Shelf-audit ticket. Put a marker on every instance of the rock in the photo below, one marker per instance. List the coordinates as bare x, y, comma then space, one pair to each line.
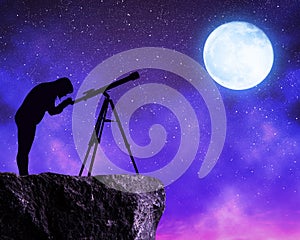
54, 206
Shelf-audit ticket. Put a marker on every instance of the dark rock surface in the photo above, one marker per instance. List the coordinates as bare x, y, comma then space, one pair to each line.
54, 206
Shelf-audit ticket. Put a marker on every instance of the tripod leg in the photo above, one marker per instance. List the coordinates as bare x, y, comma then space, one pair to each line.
85, 159
92, 160
124, 136
91, 143
98, 132
95, 138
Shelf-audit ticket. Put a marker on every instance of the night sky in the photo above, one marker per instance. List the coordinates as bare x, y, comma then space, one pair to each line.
253, 192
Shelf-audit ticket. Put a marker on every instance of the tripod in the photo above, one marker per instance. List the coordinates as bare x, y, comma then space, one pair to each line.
97, 134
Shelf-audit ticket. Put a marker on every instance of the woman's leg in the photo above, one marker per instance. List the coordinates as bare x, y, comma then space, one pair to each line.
25, 139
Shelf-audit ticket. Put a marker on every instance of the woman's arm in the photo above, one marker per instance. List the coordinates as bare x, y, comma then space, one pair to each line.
53, 110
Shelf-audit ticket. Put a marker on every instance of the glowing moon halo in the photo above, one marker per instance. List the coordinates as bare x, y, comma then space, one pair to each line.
238, 55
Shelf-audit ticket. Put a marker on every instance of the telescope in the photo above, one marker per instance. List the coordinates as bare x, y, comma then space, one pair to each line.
93, 92
101, 120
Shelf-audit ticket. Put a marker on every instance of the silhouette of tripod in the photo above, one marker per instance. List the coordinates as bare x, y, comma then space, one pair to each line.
97, 134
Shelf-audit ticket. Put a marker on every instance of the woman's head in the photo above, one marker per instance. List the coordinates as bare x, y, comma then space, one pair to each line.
64, 86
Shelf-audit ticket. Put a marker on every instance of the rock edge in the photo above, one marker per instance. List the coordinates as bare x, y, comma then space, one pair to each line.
55, 206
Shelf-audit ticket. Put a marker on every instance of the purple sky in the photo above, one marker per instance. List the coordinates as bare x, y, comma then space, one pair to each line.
253, 192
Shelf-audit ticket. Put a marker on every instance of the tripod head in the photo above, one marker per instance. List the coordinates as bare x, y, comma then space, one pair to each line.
93, 92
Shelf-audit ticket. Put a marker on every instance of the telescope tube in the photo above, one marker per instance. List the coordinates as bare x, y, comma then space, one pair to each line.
93, 92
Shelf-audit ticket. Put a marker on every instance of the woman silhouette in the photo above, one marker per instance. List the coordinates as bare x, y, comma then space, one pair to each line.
39, 100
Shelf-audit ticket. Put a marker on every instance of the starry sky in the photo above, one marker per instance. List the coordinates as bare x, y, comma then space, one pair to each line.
253, 192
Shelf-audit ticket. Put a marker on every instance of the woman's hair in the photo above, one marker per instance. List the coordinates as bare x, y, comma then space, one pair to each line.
64, 84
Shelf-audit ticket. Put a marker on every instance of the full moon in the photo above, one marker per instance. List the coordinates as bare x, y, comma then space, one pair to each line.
238, 55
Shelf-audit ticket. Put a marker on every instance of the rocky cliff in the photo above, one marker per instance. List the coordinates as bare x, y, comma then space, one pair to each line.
54, 206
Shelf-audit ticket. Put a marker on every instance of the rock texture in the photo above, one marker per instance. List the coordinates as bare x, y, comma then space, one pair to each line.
53, 206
